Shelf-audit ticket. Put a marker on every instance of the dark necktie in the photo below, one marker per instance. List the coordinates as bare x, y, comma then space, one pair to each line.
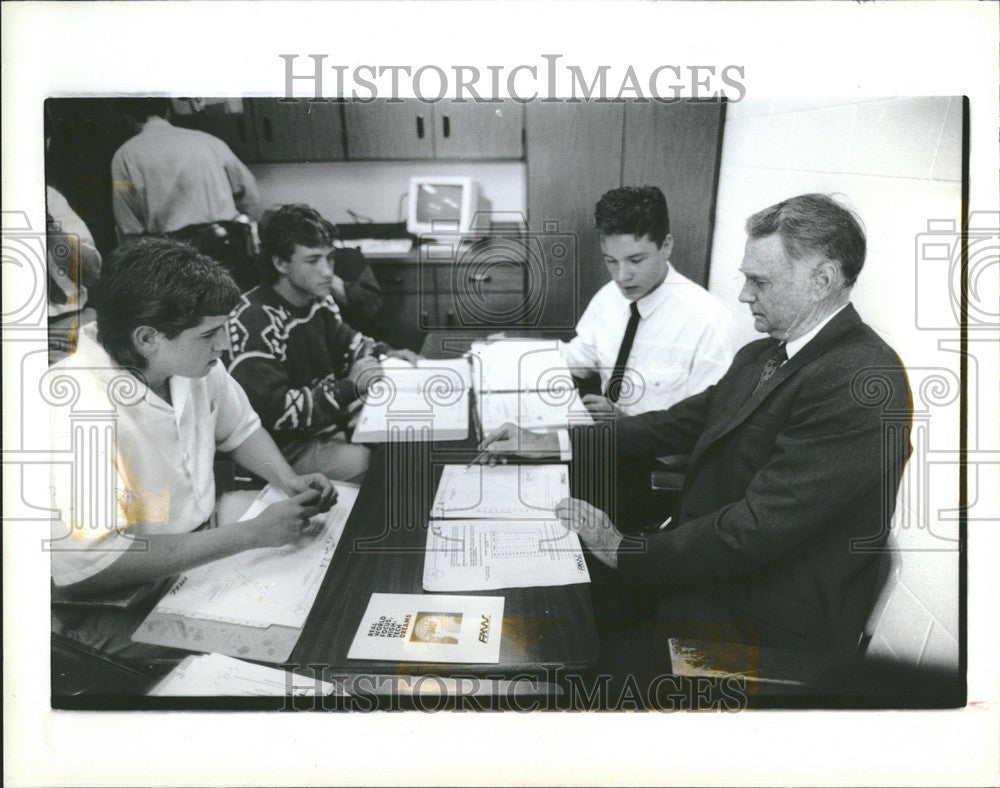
778, 357
614, 390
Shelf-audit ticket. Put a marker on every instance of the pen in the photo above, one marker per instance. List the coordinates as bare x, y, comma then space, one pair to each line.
475, 460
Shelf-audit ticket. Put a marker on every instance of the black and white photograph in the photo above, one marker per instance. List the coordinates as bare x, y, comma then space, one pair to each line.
539, 395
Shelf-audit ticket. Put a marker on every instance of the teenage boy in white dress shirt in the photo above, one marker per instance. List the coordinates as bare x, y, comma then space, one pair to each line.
151, 360
685, 338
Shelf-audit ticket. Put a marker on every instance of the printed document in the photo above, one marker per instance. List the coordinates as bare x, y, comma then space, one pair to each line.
501, 492
430, 628
481, 555
426, 401
210, 675
519, 365
532, 410
266, 586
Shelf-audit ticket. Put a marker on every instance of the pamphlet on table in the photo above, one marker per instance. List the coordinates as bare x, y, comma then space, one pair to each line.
430, 628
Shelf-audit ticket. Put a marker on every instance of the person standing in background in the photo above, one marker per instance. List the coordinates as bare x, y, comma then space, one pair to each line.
166, 178
185, 184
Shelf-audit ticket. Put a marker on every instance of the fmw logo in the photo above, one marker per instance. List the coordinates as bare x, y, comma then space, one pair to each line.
484, 630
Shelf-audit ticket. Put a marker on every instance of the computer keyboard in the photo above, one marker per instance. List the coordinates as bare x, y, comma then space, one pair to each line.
381, 246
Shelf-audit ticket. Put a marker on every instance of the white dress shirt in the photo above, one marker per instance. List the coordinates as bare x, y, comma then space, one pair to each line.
159, 468
793, 346
684, 343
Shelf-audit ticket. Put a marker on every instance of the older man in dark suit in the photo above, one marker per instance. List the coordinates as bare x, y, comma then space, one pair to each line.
793, 461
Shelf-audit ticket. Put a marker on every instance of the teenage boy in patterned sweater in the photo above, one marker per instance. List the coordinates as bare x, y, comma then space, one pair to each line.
299, 363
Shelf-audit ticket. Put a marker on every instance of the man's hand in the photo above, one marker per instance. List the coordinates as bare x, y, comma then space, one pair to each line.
404, 354
513, 441
364, 372
284, 522
338, 290
599, 407
312, 481
595, 528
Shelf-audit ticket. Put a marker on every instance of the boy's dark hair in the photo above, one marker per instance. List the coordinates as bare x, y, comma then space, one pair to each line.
634, 210
815, 224
157, 282
283, 227
140, 109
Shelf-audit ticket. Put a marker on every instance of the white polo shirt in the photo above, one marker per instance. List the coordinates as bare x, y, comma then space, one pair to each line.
139, 465
685, 342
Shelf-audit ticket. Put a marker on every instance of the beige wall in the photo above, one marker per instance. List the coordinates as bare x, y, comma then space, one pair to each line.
897, 163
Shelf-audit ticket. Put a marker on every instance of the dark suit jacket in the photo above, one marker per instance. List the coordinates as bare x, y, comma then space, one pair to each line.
780, 483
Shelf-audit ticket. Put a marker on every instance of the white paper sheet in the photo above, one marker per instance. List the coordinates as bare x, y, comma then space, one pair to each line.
430, 628
519, 365
532, 410
505, 492
266, 586
485, 555
427, 401
209, 675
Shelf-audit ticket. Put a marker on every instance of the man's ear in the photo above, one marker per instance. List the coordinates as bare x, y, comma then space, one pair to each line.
146, 340
281, 266
667, 246
826, 277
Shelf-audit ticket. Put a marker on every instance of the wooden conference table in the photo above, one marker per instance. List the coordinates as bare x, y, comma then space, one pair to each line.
382, 550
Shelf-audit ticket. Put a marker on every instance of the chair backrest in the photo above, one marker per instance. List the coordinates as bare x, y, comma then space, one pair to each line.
890, 564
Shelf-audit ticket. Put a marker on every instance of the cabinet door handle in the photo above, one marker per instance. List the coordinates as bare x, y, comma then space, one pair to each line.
449, 319
268, 136
396, 280
241, 129
480, 278
446, 126
420, 127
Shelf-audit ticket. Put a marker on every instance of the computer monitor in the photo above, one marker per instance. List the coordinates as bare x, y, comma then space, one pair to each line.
443, 205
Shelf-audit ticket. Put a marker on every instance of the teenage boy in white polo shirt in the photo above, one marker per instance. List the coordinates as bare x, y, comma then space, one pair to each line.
654, 336
151, 359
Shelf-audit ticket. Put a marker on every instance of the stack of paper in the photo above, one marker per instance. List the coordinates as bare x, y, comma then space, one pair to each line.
428, 401
496, 528
525, 382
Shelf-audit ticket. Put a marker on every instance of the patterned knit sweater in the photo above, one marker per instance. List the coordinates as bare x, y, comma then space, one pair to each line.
293, 362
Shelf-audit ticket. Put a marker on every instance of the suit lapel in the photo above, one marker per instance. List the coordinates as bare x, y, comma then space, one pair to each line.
741, 392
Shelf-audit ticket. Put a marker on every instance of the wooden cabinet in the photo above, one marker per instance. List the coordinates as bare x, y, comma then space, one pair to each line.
413, 130
233, 128
479, 131
574, 156
390, 130
678, 148
482, 286
298, 130
576, 152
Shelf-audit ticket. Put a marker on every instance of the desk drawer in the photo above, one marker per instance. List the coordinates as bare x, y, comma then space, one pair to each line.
404, 277
482, 310
503, 276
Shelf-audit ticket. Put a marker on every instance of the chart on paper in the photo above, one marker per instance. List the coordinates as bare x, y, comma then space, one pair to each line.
528, 492
479, 555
